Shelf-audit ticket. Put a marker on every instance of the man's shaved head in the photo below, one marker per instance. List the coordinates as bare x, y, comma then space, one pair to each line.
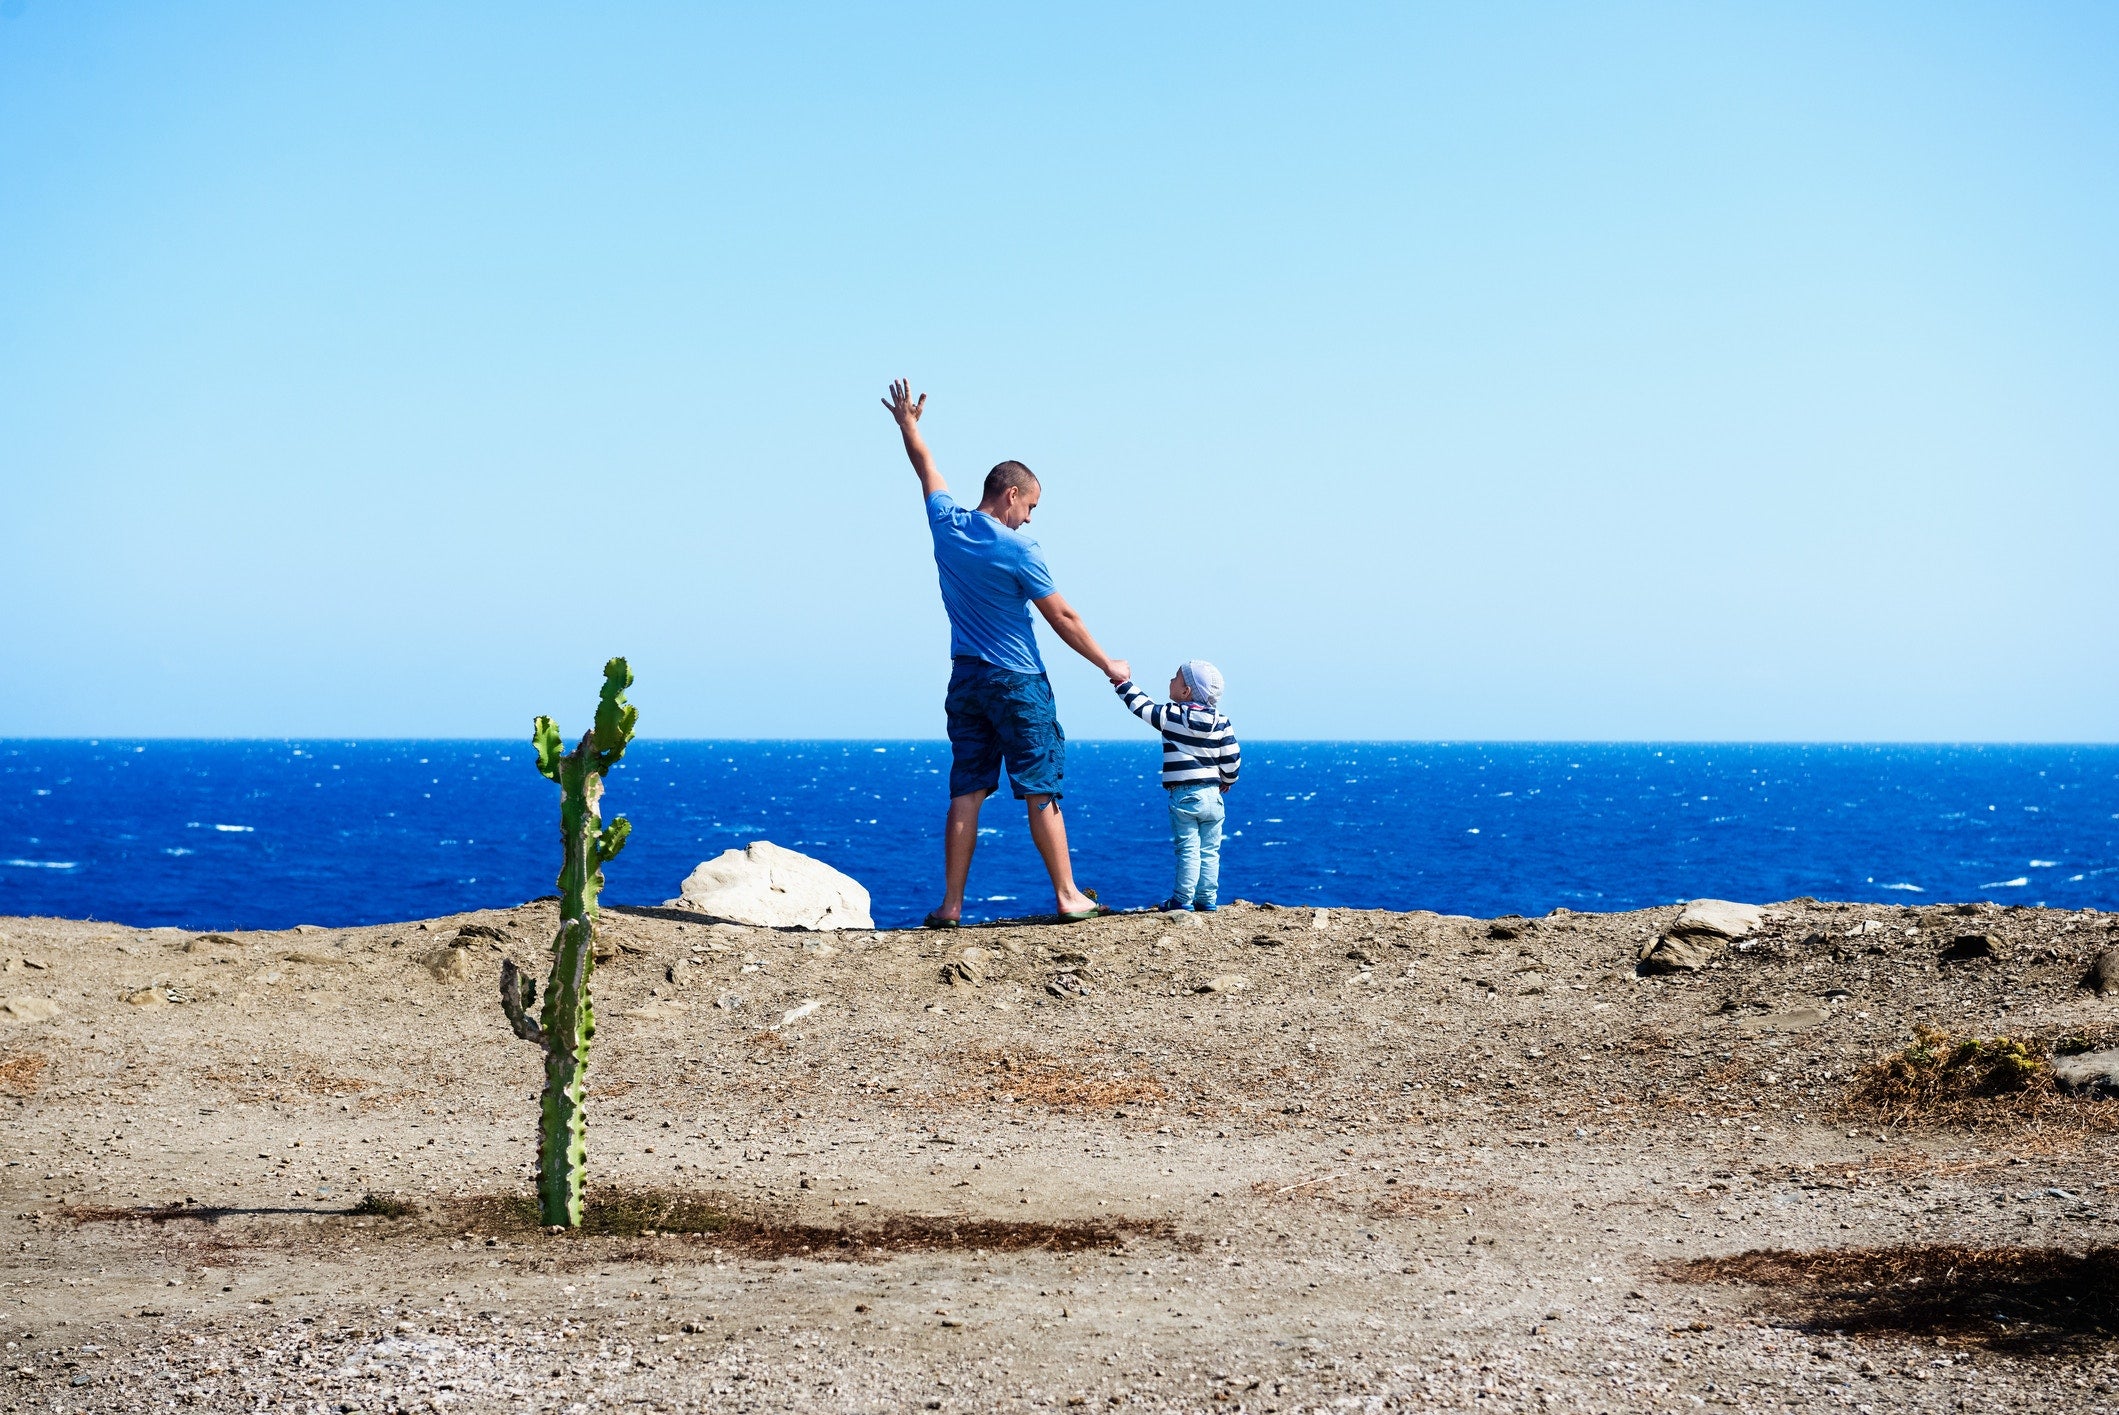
1006, 475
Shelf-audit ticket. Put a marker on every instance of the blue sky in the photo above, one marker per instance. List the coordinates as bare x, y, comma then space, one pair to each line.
1499, 371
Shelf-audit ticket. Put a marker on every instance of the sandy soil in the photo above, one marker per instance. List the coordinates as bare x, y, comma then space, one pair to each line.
1388, 1161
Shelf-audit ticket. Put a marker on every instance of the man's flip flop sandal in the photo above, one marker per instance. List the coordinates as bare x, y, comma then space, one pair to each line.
936, 921
1081, 916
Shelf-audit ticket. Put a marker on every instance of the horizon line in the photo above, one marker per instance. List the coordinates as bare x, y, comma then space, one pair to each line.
1872, 742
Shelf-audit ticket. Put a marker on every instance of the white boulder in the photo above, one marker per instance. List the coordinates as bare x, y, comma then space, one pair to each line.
1719, 918
767, 886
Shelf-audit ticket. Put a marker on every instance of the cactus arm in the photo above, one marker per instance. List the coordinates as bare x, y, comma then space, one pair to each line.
612, 840
517, 996
614, 716
544, 736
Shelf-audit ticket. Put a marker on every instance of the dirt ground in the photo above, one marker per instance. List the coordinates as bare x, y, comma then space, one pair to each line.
1267, 1160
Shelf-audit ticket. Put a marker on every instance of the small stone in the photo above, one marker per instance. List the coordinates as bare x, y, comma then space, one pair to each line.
2088, 1072
1797, 1020
1067, 984
1718, 917
1322, 919
1502, 929
1362, 956
448, 965
147, 997
29, 1009
470, 933
2103, 976
1966, 948
1676, 953
207, 943
1268, 940
684, 974
1226, 982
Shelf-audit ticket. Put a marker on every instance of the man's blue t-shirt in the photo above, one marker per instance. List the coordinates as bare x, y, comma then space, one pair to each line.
989, 576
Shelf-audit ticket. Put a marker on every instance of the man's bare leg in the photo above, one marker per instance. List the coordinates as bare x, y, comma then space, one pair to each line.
1048, 829
960, 834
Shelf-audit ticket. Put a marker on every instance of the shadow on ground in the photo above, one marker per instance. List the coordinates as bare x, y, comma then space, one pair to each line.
2020, 1299
682, 1219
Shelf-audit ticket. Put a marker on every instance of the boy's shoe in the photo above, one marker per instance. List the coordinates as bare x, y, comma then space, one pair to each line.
1172, 906
1204, 908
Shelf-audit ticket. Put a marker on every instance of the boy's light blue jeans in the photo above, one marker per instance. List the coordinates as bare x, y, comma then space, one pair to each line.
1196, 813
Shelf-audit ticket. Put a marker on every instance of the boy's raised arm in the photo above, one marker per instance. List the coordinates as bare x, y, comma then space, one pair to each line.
1138, 703
907, 413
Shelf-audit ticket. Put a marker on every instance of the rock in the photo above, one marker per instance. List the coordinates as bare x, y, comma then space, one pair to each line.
1966, 948
1718, 918
1676, 953
685, 974
147, 997
1362, 956
729, 1002
310, 929
208, 943
797, 1013
1227, 982
656, 1009
1322, 919
29, 1009
471, 932
1797, 1020
1268, 940
2086, 1072
970, 968
448, 965
2103, 976
1067, 985
770, 887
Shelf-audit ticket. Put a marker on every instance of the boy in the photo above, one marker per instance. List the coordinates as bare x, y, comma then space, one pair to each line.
1200, 762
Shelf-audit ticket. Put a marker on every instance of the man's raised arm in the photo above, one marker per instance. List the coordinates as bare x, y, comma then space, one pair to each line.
907, 413
1075, 634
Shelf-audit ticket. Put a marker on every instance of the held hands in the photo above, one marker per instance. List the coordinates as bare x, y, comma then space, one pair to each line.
1118, 670
901, 405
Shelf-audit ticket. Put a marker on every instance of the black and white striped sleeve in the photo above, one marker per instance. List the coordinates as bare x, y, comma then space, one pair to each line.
1141, 705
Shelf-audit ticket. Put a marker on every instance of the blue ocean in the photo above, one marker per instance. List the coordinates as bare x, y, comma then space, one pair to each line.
267, 834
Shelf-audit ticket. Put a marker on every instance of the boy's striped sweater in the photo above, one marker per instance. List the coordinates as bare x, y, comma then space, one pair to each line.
1199, 744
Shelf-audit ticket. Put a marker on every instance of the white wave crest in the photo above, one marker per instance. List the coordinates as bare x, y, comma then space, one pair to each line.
2016, 883
40, 864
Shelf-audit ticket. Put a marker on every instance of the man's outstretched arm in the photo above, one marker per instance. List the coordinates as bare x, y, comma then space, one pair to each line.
907, 413
1075, 635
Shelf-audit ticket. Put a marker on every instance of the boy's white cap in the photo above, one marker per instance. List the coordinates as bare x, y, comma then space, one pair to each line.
1204, 679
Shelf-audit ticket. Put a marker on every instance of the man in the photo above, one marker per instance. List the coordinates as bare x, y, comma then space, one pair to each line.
1000, 701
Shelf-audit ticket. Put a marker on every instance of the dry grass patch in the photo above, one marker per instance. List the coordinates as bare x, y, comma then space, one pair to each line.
2028, 1299
1944, 1079
1036, 1079
20, 1072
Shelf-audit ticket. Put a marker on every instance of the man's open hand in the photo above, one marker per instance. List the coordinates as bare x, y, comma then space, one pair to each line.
901, 404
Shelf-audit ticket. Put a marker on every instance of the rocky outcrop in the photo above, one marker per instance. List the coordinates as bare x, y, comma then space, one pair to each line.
1698, 935
770, 887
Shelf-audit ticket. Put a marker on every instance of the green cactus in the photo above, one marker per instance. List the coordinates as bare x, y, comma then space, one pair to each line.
567, 1024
